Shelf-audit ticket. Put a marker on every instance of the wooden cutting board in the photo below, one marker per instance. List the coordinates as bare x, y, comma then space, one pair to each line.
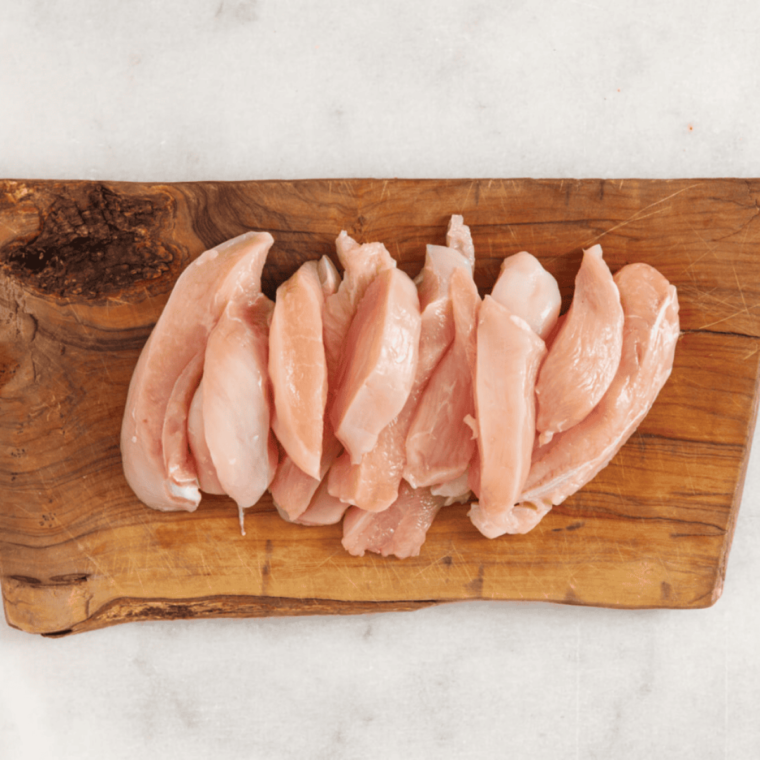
86, 267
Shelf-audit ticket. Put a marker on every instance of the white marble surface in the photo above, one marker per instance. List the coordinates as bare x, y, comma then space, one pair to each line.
222, 89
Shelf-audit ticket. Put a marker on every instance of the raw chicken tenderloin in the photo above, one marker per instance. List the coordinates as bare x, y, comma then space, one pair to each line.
400, 530
229, 272
650, 333
237, 401
298, 369
459, 238
454, 491
439, 445
178, 460
329, 278
509, 354
196, 434
379, 362
323, 509
361, 265
585, 353
529, 292
292, 489
373, 483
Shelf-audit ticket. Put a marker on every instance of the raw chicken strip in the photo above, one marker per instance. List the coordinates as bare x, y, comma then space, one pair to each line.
178, 461
439, 445
292, 489
298, 369
459, 238
236, 401
229, 272
585, 353
379, 362
373, 483
361, 265
529, 292
328, 275
400, 530
455, 491
509, 354
323, 509
196, 434
434, 287
526, 289
650, 334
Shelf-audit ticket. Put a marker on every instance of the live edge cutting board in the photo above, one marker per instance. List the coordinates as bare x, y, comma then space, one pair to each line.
86, 267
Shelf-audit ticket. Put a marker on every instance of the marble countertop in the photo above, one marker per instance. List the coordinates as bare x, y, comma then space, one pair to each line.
232, 90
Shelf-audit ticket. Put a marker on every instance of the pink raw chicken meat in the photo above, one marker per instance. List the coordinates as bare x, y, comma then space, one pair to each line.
439, 445
529, 292
400, 530
459, 238
292, 489
231, 272
373, 483
378, 364
585, 353
178, 461
361, 263
298, 369
509, 354
237, 401
457, 490
323, 509
650, 333
196, 433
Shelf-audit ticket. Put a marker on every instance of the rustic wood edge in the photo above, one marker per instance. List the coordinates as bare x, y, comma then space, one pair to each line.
135, 610
738, 494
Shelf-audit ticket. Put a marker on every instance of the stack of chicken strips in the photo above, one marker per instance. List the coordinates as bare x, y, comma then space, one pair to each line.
377, 400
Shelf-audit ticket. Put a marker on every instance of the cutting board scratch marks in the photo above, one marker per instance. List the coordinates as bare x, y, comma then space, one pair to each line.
741, 292
690, 475
393, 569
432, 563
135, 567
344, 573
730, 316
205, 569
637, 217
696, 261
327, 559
249, 565
462, 560
467, 196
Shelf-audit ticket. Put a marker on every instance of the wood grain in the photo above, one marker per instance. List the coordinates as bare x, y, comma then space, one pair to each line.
85, 269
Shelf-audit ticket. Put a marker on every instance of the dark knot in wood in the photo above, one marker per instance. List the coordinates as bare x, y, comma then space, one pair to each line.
93, 242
